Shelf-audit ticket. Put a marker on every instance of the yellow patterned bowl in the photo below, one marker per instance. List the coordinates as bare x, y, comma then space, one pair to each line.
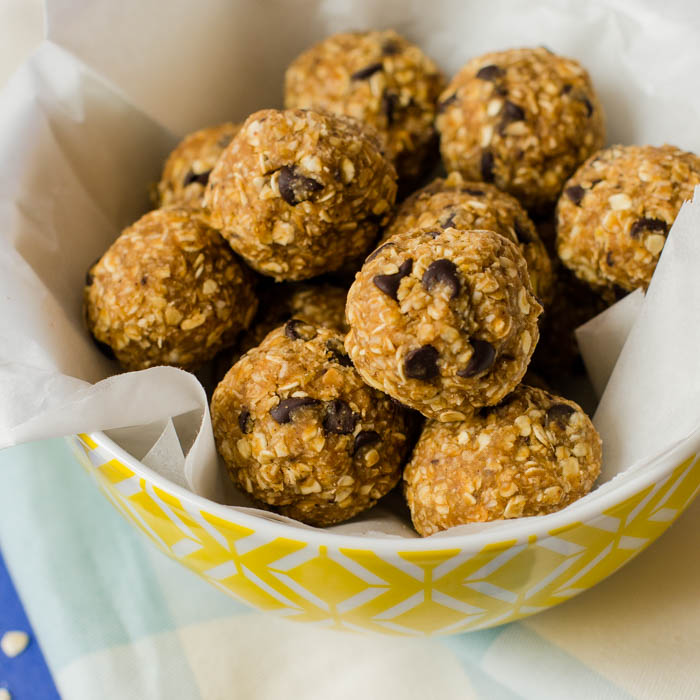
443, 585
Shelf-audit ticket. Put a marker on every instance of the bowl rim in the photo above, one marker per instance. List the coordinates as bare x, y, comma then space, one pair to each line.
512, 532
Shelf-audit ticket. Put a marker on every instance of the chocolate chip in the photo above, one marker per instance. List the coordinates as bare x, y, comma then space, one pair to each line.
105, 349
363, 438
609, 259
490, 72
376, 252
337, 352
294, 187
589, 106
483, 357
339, 418
368, 71
389, 103
244, 422
389, 284
487, 166
473, 192
442, 271
595, 182
575, 193
450, 220
282, 412
579, 96
647, 224
144, 280
560, 413
390, 47
442, 106
296, 329
201, 178
421, 363
522, 232
510, 112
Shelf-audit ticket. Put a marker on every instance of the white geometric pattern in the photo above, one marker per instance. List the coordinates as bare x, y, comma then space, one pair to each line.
428, 591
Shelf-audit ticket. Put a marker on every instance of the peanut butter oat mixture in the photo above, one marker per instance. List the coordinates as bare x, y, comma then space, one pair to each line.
320, 305
186, 171
476, 205
300, 431
443, 320
169, 291
524, 119
379, 78
615, 212
532, 454
298, 193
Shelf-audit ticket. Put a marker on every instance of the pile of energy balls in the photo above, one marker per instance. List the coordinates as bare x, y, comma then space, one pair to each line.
331, 396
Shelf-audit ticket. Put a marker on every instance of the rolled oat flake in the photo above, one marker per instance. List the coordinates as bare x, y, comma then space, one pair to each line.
14, 642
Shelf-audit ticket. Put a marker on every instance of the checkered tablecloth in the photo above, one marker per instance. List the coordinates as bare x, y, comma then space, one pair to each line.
117, 619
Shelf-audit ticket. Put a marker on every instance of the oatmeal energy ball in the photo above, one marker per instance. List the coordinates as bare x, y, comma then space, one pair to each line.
532, 454
615, 212
169, 291
476, 205
298, 193
186, 171
524, 119
300, 430
382, 80
443, 320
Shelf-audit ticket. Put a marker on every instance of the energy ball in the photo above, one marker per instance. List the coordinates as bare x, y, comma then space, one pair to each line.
532, 454
379, 78
186, 171
298, 193
476, 205
443, 320
320, 305
524, 119
615, 212
169, 291
300, 431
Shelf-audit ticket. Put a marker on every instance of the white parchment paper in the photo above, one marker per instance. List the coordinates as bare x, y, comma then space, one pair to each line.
87, 121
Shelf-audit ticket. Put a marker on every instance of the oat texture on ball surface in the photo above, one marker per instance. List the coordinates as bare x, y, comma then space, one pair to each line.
443, 320
301, 432
532, 454
298, 193
457, 203
168, 291
616, 211
379, 78
523, 119
187, 168
317, 304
